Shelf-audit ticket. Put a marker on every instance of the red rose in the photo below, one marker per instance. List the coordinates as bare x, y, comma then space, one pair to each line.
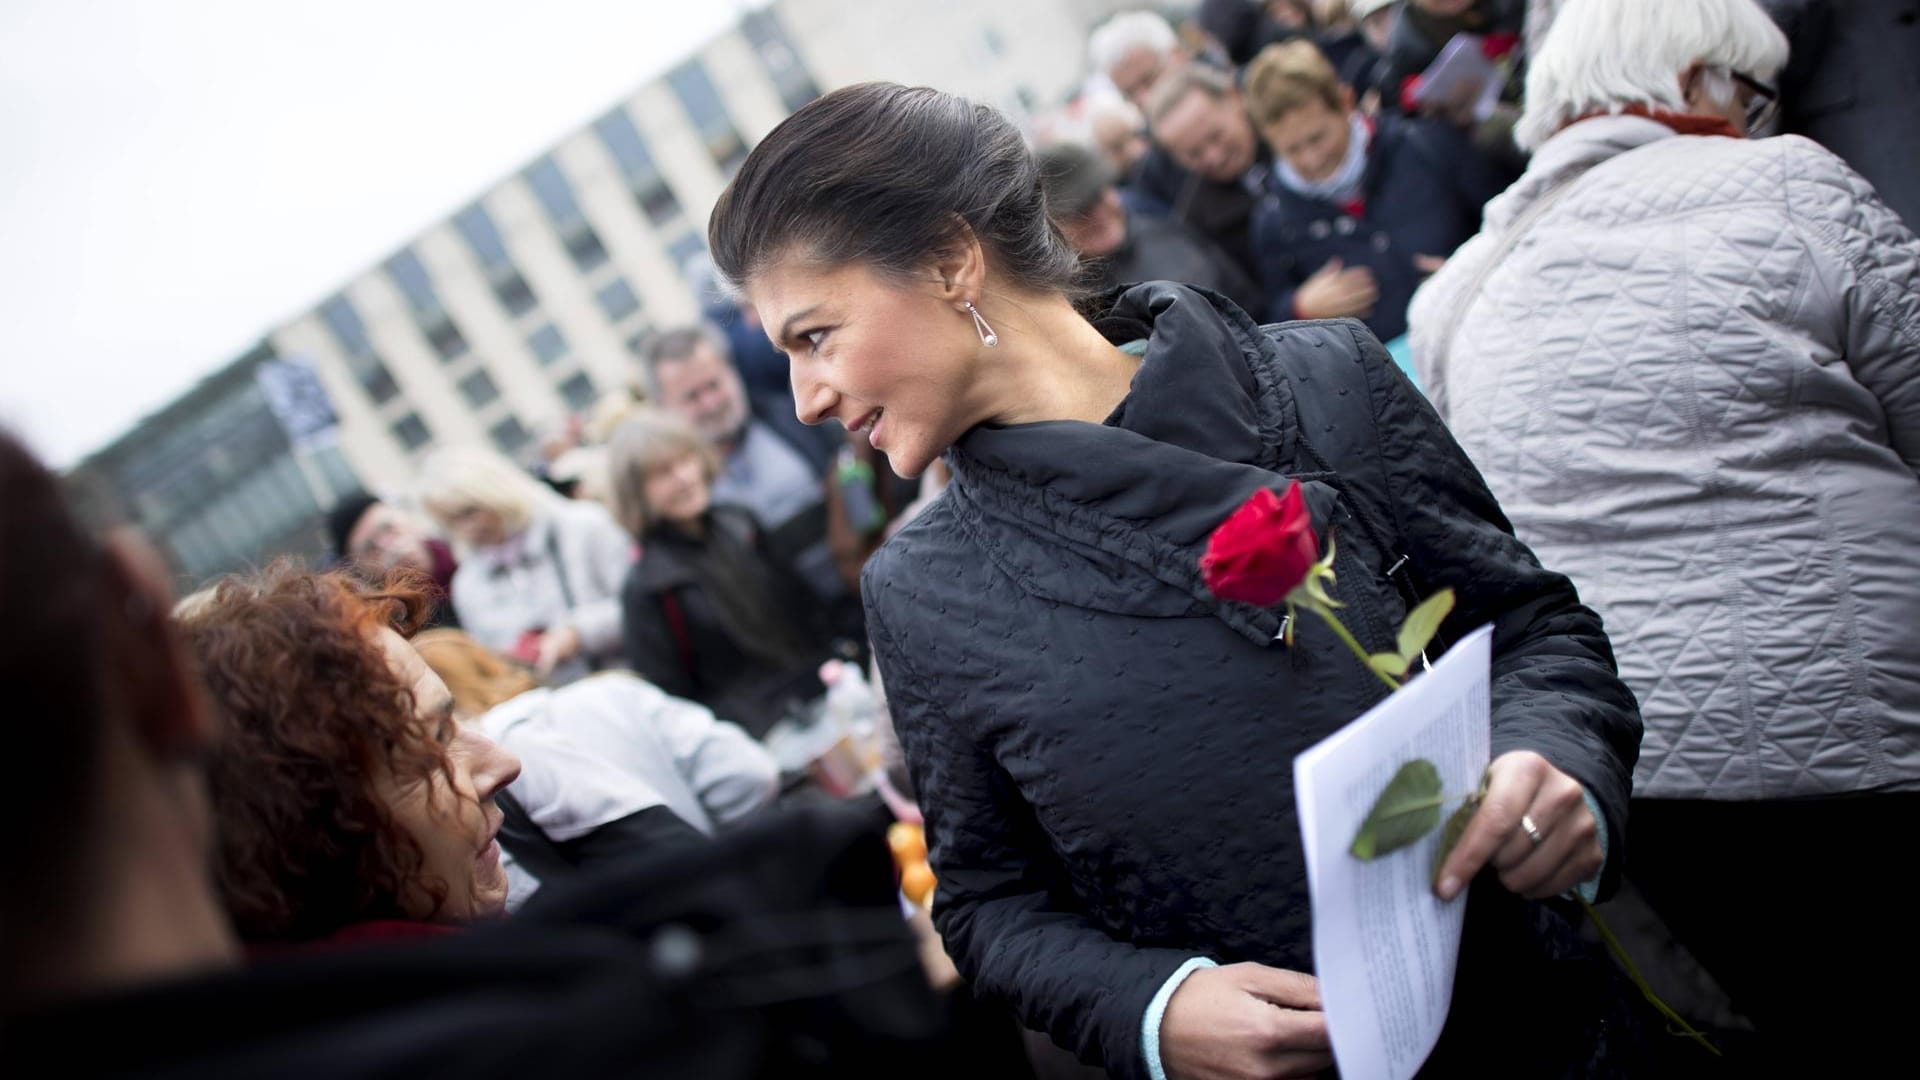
1263, 551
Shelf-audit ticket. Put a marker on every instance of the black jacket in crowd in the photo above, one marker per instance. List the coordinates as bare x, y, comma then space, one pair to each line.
681, 638
1852, 85
1418, 38
1422, 193
1104, 751
1217, 211
776, 950
1158, 249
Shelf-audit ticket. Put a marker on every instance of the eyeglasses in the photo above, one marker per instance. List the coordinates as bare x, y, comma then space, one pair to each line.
1764, 105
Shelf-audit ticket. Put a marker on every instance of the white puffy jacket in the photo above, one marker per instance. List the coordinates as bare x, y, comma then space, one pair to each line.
1694, 385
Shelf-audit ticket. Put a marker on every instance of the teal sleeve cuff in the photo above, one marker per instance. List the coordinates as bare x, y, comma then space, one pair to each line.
1157, 1008
1590, 888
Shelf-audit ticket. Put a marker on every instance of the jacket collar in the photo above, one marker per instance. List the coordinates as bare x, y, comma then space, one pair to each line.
529, 547
1571, 151
1114, 516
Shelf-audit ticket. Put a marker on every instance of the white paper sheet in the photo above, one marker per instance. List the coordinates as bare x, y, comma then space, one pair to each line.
1384, 946
1462, 65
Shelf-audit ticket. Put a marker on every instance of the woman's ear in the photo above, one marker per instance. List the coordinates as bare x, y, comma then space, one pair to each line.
1690, 87
961, 271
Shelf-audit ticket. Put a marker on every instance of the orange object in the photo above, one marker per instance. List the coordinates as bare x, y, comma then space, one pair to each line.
917, 882
909, 843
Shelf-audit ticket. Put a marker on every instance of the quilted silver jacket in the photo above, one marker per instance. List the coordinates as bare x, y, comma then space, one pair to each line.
1694, 385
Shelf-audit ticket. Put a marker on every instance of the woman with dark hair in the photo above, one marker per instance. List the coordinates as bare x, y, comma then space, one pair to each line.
1100, 746
347, 800
711, 614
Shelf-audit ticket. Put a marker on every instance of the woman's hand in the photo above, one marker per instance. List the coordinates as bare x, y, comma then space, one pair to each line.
1563, 849
557, 646
1244, 1021
1336, 290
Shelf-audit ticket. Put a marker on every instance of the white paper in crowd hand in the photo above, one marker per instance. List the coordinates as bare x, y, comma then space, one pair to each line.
1462, 68
1384, 947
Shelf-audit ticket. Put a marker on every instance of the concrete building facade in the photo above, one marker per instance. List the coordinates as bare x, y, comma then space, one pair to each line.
526, 304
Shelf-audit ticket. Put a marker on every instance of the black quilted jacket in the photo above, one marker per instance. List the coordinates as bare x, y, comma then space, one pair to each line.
1104, 752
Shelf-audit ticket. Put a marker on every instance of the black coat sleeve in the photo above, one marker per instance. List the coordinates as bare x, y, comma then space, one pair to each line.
652, 650
1556, 690
1002, 907
646, 832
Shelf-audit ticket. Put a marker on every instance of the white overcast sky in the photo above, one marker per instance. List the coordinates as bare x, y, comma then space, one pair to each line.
177, 176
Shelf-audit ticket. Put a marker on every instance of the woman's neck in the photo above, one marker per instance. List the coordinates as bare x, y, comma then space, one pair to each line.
1052, 364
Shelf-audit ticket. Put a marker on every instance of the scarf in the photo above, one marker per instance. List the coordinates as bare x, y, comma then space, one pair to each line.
1343, 184
1681, 123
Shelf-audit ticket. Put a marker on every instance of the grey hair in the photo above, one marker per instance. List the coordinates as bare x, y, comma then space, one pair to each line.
647, 440
675, 344
1602, 56
1112, 40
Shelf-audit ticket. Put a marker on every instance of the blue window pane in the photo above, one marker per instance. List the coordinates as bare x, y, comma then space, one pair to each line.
410, 275
784, 68
547, 343
554, 192
343, 319
578, 391
617, 300
479, 389
509, 436
699, 97
412, 432
709, 115
483, 236
686, 249
514, 293
629, 150
624, 142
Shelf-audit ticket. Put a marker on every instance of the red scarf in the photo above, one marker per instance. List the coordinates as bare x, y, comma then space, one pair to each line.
1681, 123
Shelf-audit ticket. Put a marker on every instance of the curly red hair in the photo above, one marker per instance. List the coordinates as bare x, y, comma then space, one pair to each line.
312, 716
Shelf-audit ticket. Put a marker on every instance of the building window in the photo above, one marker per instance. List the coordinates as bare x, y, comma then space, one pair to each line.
483, 238
410, 275
563, 210
636, 163
509, 436
515, 294
789, 76
992, 45
412, 432
343, 319
617, 299
547, 344
638, 340
350, 331
478, 389
704, 107
446, 339
578, 391
686, 249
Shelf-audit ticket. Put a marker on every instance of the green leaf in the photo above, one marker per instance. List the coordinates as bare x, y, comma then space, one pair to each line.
1422, 623
1406, 811
1451, 832
1389, 664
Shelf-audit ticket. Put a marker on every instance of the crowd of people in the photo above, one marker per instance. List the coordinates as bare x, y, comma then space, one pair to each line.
1554, 304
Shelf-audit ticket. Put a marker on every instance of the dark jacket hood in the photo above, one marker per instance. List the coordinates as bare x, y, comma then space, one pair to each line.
1130, 503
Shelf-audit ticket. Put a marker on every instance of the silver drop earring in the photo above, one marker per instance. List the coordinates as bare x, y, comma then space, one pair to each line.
987, 336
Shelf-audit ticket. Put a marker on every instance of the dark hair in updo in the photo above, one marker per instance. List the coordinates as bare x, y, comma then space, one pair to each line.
886, 175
